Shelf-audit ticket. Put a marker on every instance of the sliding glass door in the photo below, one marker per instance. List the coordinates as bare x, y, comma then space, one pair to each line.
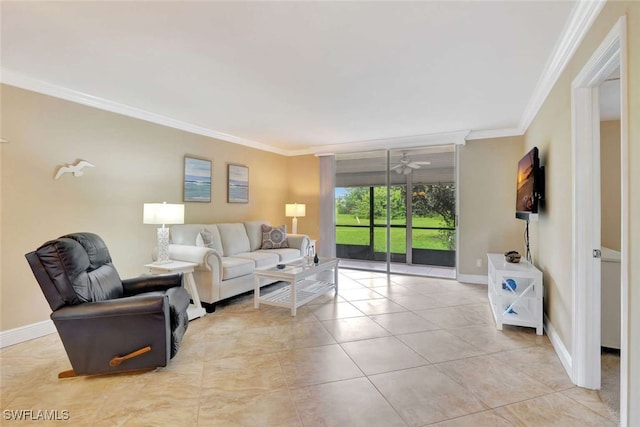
361, 206
396, 211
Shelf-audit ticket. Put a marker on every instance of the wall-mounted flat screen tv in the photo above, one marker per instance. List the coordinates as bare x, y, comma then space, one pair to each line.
530, 189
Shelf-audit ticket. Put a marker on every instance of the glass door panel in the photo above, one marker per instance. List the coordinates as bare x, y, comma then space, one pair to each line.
361, 205
429, 174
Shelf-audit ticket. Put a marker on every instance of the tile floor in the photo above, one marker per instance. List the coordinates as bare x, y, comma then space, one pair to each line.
397, 351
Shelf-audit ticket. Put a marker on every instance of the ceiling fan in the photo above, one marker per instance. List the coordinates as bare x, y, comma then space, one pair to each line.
406, 166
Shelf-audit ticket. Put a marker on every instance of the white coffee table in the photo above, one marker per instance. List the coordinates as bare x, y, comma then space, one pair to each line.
195, 310
303, 285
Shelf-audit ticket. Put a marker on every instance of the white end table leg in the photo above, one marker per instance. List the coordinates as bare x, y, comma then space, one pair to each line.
256, 292
191, 287
293, 298
195, 309
335, 278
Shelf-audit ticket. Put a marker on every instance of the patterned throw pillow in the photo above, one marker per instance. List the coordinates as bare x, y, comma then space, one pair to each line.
274, 237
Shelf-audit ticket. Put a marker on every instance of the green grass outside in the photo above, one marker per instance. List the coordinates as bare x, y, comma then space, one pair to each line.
422, 239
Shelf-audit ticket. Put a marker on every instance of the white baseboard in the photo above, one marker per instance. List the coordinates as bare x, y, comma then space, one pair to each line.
478, 279
26, 333
558, 346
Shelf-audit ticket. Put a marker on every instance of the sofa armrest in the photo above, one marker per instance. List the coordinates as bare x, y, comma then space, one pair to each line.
299, 241
207, 259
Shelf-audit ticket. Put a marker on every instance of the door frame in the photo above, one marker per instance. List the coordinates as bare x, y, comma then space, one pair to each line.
585, 359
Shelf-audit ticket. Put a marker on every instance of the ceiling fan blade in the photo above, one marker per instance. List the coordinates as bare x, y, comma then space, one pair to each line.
423, 163
396, 167
407, 171
414, 165
399, 171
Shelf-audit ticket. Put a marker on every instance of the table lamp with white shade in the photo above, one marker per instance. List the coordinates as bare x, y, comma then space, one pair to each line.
295, 210
163, 213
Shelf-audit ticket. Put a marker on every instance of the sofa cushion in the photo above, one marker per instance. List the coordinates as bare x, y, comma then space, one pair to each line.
235, 267
285, 254
185, 234
274, 237
234, 238
254, 232
262, 259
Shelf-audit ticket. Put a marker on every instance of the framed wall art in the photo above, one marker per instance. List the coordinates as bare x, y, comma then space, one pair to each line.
238, 184
197, 180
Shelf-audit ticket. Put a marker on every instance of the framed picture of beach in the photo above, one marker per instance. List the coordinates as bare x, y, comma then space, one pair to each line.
238, 184
197, 180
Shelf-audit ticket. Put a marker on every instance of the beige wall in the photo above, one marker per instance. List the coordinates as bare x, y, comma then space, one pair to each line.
2, 144
487, 190
135, 162
610, 179
551, 132
304, 187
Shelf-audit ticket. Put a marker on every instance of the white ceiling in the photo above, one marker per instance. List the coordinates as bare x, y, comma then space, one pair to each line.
297, 77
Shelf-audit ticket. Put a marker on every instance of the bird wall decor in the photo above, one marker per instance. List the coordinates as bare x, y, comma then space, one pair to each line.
75, 168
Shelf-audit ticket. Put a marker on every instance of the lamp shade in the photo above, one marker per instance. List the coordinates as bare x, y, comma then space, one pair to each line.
163, 213
295, 209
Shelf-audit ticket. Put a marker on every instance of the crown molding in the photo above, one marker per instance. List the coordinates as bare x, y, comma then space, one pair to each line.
576, 28
13, 78
494, 133
579, 23
458, 138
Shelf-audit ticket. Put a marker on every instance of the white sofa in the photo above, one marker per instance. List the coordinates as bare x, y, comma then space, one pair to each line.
225, 268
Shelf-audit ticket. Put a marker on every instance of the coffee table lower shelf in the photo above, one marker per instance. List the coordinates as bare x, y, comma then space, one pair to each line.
305, 291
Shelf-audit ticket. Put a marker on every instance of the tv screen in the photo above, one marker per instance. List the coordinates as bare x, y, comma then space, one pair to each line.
528, 189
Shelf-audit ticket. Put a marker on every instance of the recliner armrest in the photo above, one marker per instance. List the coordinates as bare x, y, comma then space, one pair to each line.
94, 333
161, 282
135, 305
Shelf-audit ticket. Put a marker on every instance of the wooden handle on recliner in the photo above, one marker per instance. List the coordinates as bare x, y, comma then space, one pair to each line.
119, 359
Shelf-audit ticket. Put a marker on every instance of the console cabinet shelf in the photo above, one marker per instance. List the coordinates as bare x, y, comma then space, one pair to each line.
515, 293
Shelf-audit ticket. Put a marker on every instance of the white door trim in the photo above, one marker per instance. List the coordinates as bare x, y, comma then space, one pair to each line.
586, 213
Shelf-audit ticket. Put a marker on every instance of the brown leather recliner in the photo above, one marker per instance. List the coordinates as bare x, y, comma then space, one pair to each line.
107, 324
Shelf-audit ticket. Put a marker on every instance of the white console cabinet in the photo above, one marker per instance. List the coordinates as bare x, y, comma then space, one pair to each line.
519, 305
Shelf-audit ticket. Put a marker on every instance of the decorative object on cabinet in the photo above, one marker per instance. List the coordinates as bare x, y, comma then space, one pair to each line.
197, 180
295, 210
237, 184
74, 168
512, 256
163, 213
515, 293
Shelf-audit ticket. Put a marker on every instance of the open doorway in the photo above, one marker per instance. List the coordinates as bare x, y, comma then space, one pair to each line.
587, 248
610, 224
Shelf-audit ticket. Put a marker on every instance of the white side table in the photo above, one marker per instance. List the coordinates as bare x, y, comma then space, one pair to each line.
186, 268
